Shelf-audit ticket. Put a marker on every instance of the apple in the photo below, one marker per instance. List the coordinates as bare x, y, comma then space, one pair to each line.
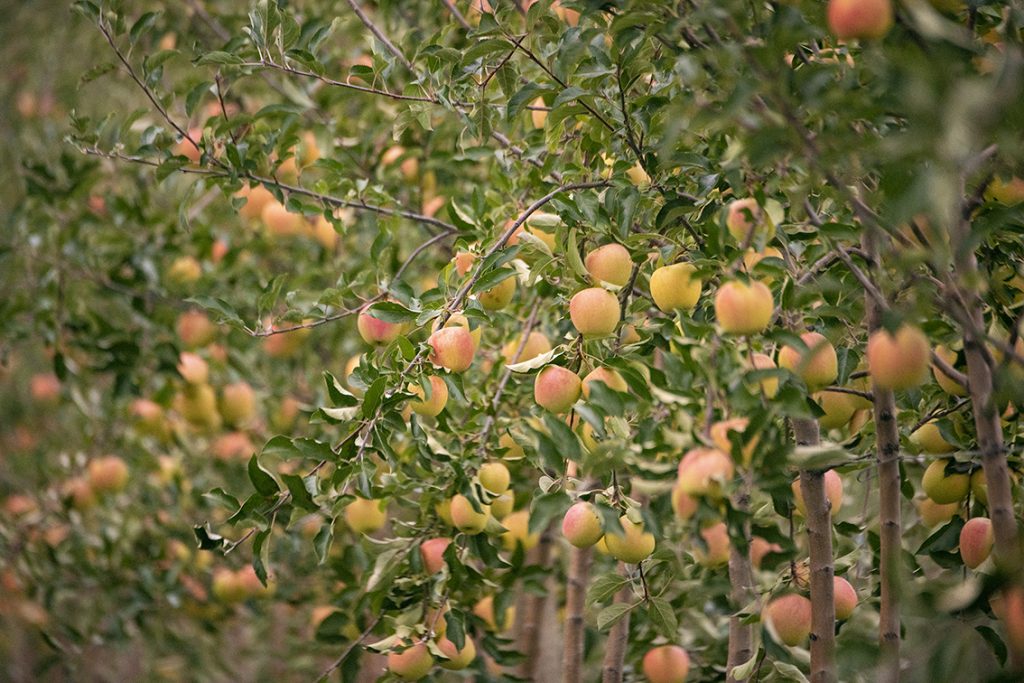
850, 19
226, 586
499, 296
638, 176
78, 491
452, 348
410, 168
557, 388
193, 368
594, 312
581, 525
464, 261
460, 320
747, 221
501, 506
929, 439
444, 511
433, 406
465, 518
237, 403
376, 331
610, 263
833, 491
457, 659
364, 516
195, 329
350, 366
789, 618
251, 584
612, 379
187, 149
633, 544
751, 257
947, 384
666, 664
324, 233
719, 434
285, 344
932, 514
943, 488
484, 609
538, 116
518, 531
675, 287
703, 471
769, 385
198, 404
759, 548
716, 537
743, 308
150, 418
1008, 605
839, 407
107, 474
569, 16
233, 446
1009, 192
391, 155
432, 553
183, 271
683, 505
44, 387
280, 222
411, 664
494, 477
628, 335
256, 198
976, 541
898, 361
513, 451
817, 366
844, 598
536, 344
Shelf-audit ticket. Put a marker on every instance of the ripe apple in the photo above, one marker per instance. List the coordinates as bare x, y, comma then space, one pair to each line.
850, 19
769, 385
256, 197
280, 222
675, 287
1009, 192
499, 296
457, 659
557, 388
536, 344
751, 257
759, 548
581, 525
484, 609
464, 261
411, 664
631, 546
839, 407
743, 308
518, 531
611, 378
364, 516
285, 344
946, 383
432, 553
251, 584
433, 406
943, 488
193, 368
789, 617
747, 222
226, 586
716, 537
187, 149
817, 366
929, 439
898, 361
638, 176
195, 329
494, 477
683, 505
78, 491
538, 116
44, 388
237, 403
465, 518
1008, 605
610, 263
719, 434
666, 664
376, 331
233, 446
703, 471
444, 512
150, 418
453, 348
932, 514
833, 491
501, 506
107, 474
976, 541
198, 404
594, 312
844, 597
183, 271
460, 320
324, 233
513, 451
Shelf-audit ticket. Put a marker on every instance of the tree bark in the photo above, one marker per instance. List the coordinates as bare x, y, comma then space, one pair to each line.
887, 453
615, 649
532, 623
741, 580
819, 532
575, 600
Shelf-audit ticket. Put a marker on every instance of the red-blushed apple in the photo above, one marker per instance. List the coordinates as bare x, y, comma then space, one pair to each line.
285, 344
817, 366
704, 471
943, 488
238, 403
536, 344
611, 378
751, 257
633, 544
899, 361
720, 431
844, 597
557, 388
789, 617
499, 296
976, 541
675, 287
850, 19
460, 320
452, 348
517, 525
364, 515
716, 540
581, 525
683, 505
226, 586
839, 408
432, 553
376, 331
929, 439
430, 407
280, 222
44, 387
1008, 605
747, 222
195, 329
833, 491
465, 518
594, 312
150, 418
78, 491
743, 307
464, 261
610, 263
666, 664
769, 385
494, 477
107, 474
411, 664
932, 514
457, 659
257, 197
233, 446
484, 609
322, 230
945, 382
190, 147
193, 368
759, 548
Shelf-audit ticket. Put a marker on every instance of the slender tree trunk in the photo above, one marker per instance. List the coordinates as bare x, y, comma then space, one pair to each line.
887, 453
615, 649
741, 580
575, 600
532, 623
819, 532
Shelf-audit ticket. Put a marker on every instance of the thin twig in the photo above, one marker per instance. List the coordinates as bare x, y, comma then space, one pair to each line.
380, 35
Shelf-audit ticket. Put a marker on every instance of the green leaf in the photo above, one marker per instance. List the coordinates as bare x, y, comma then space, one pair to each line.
322, 542
371, 399
663, 617
261, 480
607, 617
223, 498
261, 554
225, 311
207, 539
301, 496
391, 312
605, 587
218, 57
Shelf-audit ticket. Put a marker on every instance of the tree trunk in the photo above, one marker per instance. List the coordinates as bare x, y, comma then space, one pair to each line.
532, 623
575, 600
741, 580
819, 532
887, 453
615, 649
